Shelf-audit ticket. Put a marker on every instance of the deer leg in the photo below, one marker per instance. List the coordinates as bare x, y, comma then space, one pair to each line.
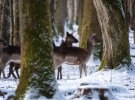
85, 69
58, 74
11, 72
16, 70
4, 76
80, 69
17, 73
60, 68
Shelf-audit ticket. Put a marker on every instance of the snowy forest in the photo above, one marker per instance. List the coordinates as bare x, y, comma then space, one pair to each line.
67, 50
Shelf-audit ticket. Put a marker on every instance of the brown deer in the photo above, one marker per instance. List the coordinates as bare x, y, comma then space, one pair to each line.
14, 65
8, 54
70, 39
74, 55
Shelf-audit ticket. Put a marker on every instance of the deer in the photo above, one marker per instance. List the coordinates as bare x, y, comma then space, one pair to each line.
8, 54
74, 55
70, 39
14, 63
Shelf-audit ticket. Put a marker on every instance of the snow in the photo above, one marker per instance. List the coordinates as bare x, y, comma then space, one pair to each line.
119, 81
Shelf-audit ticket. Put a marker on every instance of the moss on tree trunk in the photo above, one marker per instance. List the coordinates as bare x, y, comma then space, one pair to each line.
37, 63
90, 24
115, 33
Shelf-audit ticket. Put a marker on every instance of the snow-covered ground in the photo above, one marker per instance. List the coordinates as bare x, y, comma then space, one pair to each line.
120, 81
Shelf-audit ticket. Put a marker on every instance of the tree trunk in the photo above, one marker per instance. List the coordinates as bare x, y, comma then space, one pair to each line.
133, 20
12, 22
37, 73
114, 33
90, 23
130, 14
5, 32
80, 15
52, 11
1, 16
16, 34
60, 15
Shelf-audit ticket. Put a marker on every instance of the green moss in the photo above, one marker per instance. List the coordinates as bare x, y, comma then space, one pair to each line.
23, 83
118, 53
37, 57
103, 64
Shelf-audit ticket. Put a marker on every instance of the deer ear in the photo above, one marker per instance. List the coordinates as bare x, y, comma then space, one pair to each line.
67, 33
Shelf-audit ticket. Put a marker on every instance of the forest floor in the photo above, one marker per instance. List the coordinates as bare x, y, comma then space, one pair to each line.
120, 81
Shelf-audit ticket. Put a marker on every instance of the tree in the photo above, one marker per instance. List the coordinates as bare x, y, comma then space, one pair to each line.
1, 15
130, 14
114, 33
5, 27
89, 24
60, 15
72, 12
52, 11
16, 34
37, 73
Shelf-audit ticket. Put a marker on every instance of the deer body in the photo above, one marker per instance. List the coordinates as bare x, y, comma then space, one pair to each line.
9, 54
74, 56
70, 39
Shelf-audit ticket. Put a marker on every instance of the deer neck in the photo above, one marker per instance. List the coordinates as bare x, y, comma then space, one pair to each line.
90, 46
68, 43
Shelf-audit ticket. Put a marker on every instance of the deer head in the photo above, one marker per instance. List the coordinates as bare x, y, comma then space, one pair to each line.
70, 38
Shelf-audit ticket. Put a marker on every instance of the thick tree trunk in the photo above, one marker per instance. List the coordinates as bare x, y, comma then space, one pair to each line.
115, 33
37, 75
90, 24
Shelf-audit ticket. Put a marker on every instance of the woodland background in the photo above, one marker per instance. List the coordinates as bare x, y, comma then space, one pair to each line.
33, 23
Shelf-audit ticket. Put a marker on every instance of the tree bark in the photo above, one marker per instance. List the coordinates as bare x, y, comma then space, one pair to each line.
60, 15
16, 34
52, 11
130, 13
80, 9
5, 32
37, 73
90, 24
114, 33
12, 22
70, 12
1, 16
